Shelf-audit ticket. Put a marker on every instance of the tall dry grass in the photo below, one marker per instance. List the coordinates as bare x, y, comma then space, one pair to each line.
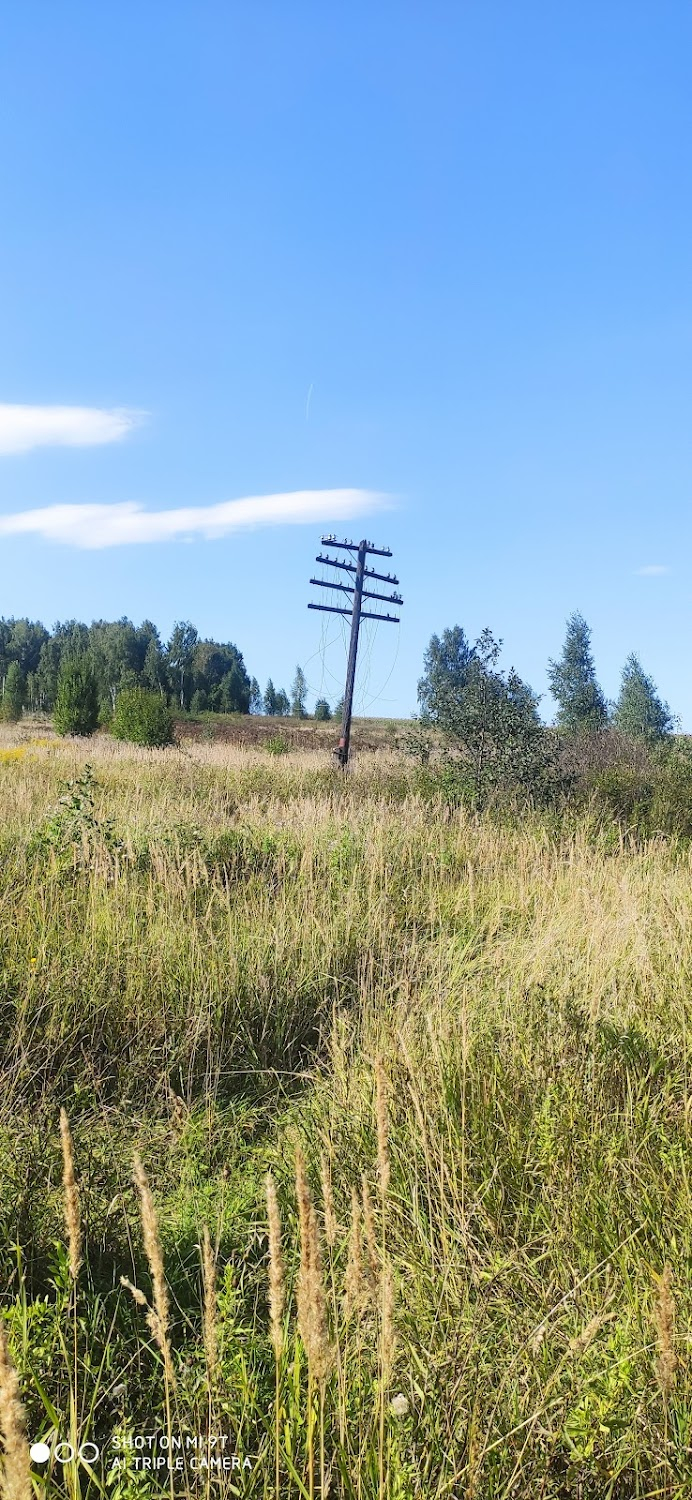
474, 1039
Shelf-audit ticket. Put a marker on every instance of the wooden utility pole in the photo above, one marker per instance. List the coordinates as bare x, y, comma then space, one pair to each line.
357, 594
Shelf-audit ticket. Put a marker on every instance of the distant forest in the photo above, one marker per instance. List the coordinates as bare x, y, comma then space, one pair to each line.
193, 674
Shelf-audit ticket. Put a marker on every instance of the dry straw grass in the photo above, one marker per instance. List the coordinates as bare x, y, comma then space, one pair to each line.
514, 1162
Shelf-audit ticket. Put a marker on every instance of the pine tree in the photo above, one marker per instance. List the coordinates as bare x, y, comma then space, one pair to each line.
77, 698
573, 683
270, 699
299, 691
255, 696
322, 710
639, 710
442, 688
14, 695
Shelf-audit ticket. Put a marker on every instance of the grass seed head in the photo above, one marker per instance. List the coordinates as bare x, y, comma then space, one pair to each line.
16, 1471
209, 1286
354, 1281
372, 1262
277, 1272
319, 1347
330, 1225
134, 1291
383, 1163
664, 1318
388, 1339
158, 1318
71, 1198
304, 1274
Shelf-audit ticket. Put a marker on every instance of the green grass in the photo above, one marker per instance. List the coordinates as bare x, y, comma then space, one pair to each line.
202, 956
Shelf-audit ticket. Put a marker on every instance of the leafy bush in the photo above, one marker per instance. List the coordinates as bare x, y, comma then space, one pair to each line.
489, 718
671, 810
143, 718
650, 798
77, 700
277, 745
626, 793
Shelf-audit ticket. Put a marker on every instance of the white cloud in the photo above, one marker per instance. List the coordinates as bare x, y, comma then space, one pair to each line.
93, 526
26, 427
652, 570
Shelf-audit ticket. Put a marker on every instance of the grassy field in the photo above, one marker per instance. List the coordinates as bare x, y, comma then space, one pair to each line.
458, 1047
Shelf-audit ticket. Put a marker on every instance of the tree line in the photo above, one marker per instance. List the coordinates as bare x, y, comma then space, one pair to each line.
190, 673
490, 722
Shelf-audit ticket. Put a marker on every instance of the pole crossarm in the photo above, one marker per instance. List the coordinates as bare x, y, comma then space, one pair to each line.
331, 609
331, 541
333, 562
326, 583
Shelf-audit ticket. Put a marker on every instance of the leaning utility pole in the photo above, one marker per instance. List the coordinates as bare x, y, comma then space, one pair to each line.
357, 593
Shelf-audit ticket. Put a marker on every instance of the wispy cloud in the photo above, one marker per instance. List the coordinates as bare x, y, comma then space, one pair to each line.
94, 526
652, 570
26, 427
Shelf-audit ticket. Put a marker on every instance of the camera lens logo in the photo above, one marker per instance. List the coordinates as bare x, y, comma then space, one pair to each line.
65, 1453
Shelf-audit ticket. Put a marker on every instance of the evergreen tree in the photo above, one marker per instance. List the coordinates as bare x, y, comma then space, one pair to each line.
14, 695
255, 696
299, 691
233, 693
270, 699
322, 711
47, 674
26, 640
6, 627
639, 711
283, 707
77, 698
442, 688
573, 683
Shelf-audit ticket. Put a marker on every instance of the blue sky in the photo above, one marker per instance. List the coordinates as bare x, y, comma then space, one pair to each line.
437, 253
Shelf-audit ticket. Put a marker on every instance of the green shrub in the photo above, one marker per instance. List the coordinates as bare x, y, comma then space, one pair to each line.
142, 718
671, 810
277, 745
649, 800
76, 708
627, 794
